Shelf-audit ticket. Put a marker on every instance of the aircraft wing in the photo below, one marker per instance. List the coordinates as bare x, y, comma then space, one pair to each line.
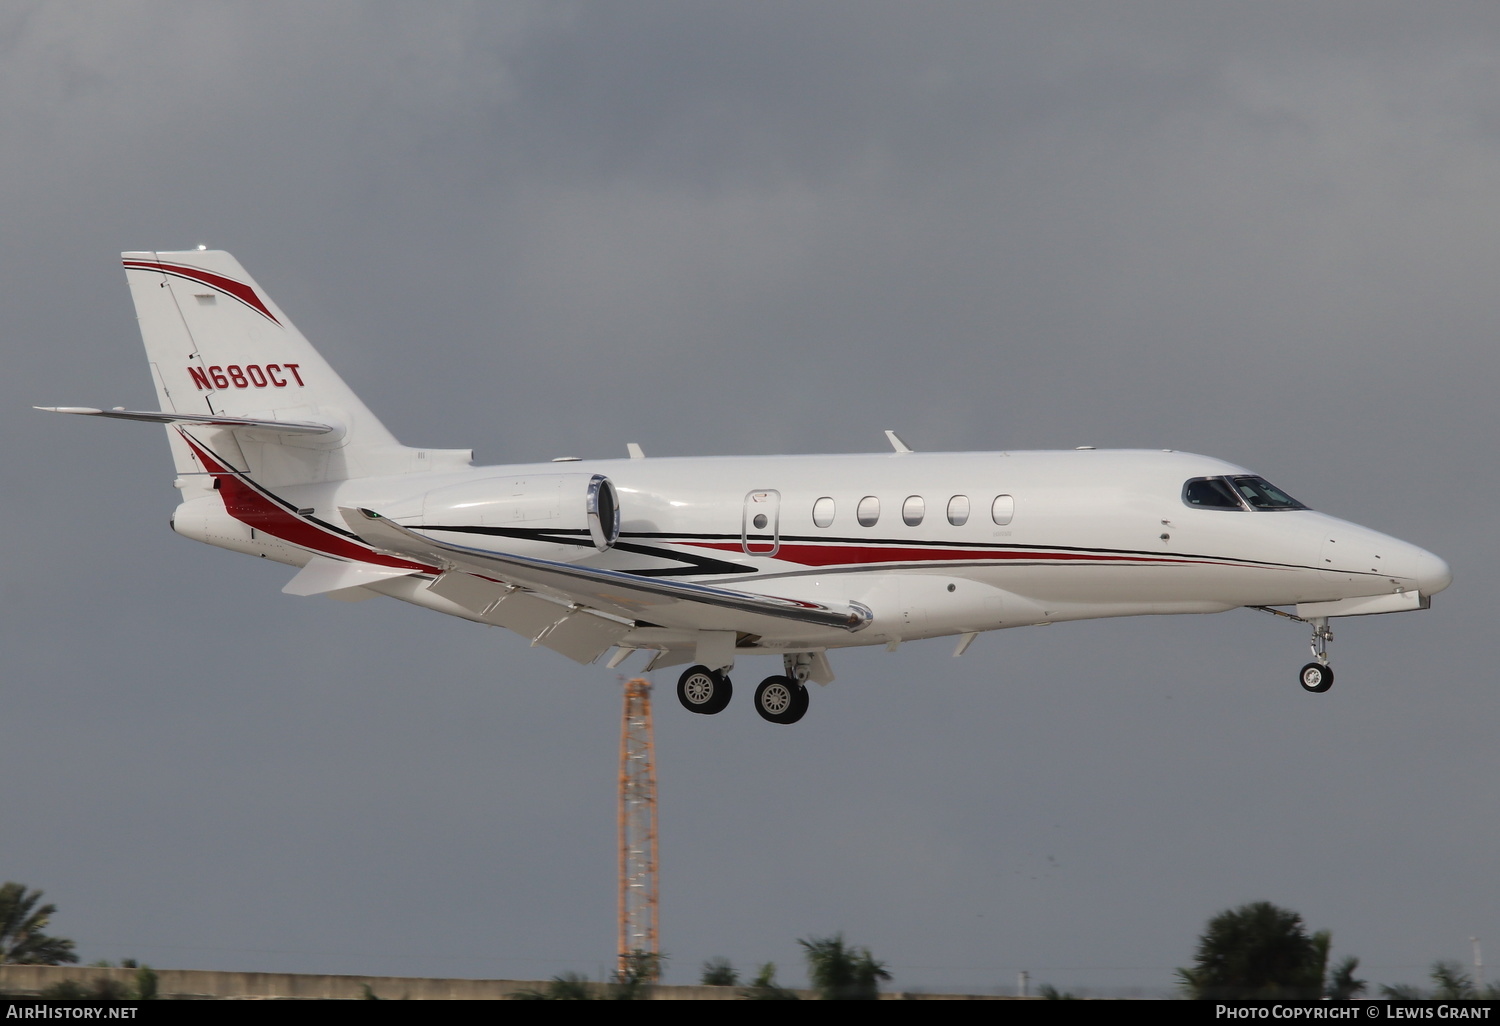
664, 603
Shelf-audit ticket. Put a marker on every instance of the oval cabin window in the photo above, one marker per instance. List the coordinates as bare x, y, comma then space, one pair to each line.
868, 511
1003, 509
823, 512
958, 510
913, 510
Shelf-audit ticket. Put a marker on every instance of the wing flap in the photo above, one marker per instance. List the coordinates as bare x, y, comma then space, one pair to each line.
583, 636
576, 633
527, 615
478, 595
669, 603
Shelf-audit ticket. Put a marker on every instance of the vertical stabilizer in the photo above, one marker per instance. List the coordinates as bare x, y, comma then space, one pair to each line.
219, 345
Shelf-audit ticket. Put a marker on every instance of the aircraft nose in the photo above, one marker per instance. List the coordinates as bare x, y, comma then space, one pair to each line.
1431, 572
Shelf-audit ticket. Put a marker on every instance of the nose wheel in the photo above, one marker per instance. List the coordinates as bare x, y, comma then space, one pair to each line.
1316, 678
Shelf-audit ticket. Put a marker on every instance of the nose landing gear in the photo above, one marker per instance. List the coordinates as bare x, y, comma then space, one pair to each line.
1316, 676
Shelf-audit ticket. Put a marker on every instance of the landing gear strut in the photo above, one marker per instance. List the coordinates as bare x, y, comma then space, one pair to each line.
702, 690
1317, 676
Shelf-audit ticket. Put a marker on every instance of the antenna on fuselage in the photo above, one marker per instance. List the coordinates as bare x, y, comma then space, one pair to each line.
896, 442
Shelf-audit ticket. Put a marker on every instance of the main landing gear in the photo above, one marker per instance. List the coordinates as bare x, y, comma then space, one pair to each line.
1316, 676
702, 690
781, 699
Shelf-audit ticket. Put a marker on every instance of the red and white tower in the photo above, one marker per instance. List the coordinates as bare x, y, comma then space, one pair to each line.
637, 829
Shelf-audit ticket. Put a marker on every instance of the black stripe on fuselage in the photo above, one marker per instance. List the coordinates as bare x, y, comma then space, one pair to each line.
698, 564
694, 564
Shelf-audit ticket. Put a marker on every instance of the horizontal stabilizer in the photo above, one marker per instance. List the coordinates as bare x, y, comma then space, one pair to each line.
285, 427
608, 591
322, 575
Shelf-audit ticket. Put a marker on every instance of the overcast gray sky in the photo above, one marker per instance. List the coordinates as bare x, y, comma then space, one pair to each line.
1264, 232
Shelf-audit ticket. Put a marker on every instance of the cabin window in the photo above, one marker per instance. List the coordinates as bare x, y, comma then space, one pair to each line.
913, 510
823, 512
1210, 493
958, 510
868, 511
1002, 509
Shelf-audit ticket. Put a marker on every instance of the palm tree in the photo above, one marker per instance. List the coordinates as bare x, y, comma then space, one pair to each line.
22, 941
765, 988
1258, 951
842, 973
567, 987
1451, 982
1342, 985
718, 972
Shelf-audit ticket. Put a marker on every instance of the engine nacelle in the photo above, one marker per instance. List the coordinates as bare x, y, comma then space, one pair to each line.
533, 514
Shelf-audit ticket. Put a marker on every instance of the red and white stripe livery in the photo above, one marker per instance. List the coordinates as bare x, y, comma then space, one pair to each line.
706, 561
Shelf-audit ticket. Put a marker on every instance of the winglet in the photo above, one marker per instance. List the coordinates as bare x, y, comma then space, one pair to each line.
896, 442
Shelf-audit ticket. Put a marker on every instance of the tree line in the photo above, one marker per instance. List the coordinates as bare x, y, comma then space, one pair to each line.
838, 971
1259, 951
1254, 952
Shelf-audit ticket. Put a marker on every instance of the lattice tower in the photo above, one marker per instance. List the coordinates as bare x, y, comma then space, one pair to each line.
637, 826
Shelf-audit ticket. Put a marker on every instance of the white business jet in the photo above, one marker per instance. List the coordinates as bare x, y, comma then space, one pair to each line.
705, 561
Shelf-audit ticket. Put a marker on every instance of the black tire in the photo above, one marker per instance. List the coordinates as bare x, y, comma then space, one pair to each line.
705, 691
722, 697
803, 701
1316, 677
781, 700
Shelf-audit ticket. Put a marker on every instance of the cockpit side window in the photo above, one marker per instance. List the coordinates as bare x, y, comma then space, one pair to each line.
1262, 494
1210, 493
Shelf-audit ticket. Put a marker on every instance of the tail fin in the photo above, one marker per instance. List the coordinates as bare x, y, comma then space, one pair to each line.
220, 347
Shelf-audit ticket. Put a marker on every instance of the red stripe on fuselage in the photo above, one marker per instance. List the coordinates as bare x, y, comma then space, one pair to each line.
249, 506
238, 289
840, 555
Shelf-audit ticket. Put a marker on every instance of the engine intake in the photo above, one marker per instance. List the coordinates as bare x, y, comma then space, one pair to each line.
603, 512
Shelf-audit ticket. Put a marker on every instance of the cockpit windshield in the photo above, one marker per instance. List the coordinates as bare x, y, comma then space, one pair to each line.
1211, 493
1262, 494
1242, 493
